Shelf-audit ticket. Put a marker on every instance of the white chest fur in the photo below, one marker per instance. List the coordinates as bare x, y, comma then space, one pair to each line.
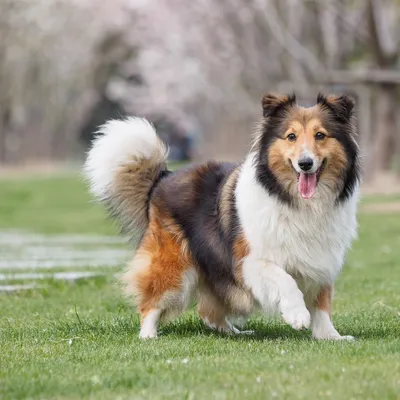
309, 242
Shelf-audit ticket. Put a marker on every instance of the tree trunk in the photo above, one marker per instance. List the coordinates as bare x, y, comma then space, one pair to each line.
384, 143
365, 128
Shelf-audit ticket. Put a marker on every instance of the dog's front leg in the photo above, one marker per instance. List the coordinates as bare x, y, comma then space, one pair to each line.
321, 317
273, 287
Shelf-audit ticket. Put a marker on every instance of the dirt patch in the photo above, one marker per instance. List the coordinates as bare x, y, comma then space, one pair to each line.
385, 184
34, 170
381, 208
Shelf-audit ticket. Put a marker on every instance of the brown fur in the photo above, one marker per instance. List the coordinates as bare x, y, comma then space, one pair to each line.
159, 264
240, 248
227, 200
305, 123
271, 102
130, 190
324, 300
192, 241
211, 310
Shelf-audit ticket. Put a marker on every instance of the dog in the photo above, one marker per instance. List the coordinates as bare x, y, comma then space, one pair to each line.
270, 232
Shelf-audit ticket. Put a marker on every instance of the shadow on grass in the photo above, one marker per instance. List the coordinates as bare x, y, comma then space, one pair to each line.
276, 331
371, 332
126, 325
262, 330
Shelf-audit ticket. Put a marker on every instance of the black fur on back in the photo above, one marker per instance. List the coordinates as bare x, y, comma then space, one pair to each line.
191, 196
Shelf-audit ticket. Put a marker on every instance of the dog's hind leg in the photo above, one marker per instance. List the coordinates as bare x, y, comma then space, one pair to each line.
161, 278
214, 314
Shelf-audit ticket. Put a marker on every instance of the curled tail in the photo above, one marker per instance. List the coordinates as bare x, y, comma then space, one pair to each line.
125, 161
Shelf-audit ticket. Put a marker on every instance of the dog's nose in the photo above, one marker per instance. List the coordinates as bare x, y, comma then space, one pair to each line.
306, 163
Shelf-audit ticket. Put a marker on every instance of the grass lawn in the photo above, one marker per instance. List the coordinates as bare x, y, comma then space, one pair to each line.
79, 340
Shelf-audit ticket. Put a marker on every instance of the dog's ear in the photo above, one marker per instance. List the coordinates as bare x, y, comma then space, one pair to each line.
272, 103
342, 106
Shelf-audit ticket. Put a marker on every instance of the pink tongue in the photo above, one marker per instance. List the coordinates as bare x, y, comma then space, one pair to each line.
307, 185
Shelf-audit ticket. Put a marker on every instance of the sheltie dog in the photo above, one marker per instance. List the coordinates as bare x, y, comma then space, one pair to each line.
269, 233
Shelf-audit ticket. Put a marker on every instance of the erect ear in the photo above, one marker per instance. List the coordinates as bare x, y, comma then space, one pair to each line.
272, 103
342, 106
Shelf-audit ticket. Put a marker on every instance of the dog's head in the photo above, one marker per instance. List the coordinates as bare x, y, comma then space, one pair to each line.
301, 151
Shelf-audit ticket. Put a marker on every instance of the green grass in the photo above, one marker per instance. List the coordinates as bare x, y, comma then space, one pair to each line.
51, 205
74, 341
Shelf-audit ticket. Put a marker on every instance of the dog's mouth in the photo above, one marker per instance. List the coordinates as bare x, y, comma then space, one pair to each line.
307, 182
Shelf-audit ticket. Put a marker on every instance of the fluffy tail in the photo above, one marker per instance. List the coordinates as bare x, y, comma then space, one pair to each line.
126, 159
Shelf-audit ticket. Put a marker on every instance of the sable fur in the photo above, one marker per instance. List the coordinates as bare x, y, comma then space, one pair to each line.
123, 164
234, 236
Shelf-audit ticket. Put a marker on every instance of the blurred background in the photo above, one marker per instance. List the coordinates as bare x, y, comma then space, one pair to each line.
196, 69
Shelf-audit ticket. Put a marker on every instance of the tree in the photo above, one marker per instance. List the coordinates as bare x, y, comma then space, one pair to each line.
384, 38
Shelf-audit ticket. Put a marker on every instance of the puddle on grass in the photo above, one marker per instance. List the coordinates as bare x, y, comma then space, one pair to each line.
22, 238
16, 288
65, 276
22, 253
59, 263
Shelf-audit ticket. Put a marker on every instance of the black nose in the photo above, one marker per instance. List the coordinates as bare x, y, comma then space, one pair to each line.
306, 163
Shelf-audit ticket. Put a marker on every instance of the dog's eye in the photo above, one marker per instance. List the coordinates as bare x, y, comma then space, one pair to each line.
320, 136
291, 137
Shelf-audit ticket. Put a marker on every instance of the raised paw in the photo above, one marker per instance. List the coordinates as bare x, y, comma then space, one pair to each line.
298, 317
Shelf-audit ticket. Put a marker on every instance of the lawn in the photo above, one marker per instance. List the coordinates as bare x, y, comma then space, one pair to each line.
78, 339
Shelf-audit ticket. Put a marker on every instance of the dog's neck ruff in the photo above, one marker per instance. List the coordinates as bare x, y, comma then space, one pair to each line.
308, 240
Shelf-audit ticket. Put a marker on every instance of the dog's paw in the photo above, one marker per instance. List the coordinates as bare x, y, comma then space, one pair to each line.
332, 335
235, 331
226, 327
147, 334
345, 337
297, 316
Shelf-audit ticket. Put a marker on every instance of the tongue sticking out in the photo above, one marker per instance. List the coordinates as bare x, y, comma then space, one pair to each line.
307, 185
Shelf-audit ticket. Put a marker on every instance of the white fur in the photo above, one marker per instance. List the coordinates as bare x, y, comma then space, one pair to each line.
175, 302
172, 303
148, 329
307, 243
117, 142
307, 153
273, 287
310, 241
322, 327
